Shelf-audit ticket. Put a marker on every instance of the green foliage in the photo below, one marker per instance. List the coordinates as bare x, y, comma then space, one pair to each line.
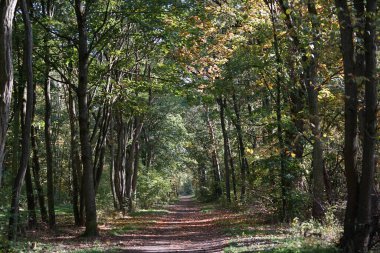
143, 212
154, 189
283, 246
330, 229
97, 250
125, 230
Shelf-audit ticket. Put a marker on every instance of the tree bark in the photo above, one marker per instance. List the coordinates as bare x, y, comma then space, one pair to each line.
350, 116
135, 175
16, 190
49, 152
364, 216
7, 10
75, 161
217, 189
130, 162
285, 181
222, 105
32, 218
36, 168
244, 161
81, 11
47, 12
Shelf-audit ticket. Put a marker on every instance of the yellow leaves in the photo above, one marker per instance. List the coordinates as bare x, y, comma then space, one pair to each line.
325, 94
290, 154
249, 151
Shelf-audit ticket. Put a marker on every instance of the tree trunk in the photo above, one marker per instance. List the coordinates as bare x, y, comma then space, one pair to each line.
364, 215
222, 105
81, 10
135, 175
284, 174
49, 152
47, 12
351, 117
7, 10
244, 161
75, 160
111, 145
130, 162
311, 84
37, 178
32, 218
217, 189
16, 190
232, 165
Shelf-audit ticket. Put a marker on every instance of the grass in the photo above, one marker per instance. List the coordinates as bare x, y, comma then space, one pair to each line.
96, 250
208, 208
125, 229
306, 249
64, 210
272, 244
248, 231
148, 212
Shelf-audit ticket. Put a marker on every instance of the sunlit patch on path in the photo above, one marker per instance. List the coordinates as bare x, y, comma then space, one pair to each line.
183, 229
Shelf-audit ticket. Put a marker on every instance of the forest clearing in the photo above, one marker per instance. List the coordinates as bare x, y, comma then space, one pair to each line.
189, 126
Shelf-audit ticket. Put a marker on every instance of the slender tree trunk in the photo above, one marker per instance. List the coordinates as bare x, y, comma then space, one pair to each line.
112, 170
47, 11
202, 178
75, 160
37, 178
222, 105
111, 145
32, 218
16, 190
49, 152
7, 9
311, 84
100, 150
135, 175
120, 164
232, 166
244, 162
130, 162
285, 184
217, 191
18, 97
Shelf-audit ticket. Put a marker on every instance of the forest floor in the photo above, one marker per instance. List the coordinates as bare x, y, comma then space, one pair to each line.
187, 226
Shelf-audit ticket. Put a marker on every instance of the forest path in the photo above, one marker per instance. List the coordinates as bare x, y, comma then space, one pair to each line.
184, 228
187, 226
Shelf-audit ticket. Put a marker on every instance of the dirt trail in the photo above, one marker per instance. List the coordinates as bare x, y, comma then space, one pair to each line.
183, 229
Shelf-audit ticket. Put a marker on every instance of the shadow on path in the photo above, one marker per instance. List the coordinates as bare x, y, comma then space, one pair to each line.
183, 229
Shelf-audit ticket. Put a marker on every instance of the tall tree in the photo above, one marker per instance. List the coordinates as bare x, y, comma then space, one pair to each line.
222, 104
359, 67
47, 9
26, 129
82, 10
7, 9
